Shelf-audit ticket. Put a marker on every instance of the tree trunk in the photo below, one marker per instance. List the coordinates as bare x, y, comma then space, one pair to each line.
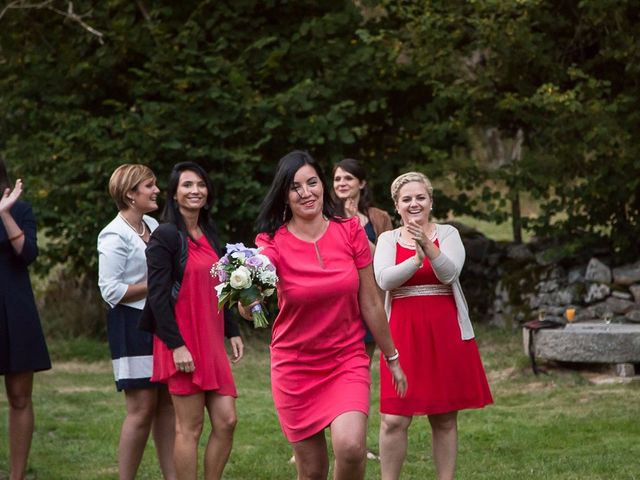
516, 219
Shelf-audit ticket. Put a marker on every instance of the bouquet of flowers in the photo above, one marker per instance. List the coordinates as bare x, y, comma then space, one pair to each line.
245, 276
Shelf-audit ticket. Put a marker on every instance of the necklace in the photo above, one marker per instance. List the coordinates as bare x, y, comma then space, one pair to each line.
432, 236
144, 226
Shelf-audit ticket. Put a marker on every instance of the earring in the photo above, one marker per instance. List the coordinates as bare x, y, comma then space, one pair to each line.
284, 213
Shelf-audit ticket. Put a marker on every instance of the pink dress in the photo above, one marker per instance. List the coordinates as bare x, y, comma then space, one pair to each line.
444, 373
319, 368
202, 328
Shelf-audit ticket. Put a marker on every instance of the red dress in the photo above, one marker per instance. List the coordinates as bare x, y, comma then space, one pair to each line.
319, 368
202, 328
444, 372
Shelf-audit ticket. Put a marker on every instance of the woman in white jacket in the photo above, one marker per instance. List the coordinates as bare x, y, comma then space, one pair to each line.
419, 265
122, 277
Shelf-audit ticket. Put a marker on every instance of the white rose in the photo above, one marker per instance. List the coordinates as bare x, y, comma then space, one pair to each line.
239, 256
240, 278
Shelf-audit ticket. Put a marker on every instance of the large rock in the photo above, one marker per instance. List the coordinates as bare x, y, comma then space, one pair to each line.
597, 272
576, 274
596, 292
635, 291
627, 274
567, 295
633, 316
519, 252
622, 295
477, 248
618, 305
588, 342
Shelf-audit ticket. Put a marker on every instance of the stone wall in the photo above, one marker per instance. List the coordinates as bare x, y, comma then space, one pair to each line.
507, 284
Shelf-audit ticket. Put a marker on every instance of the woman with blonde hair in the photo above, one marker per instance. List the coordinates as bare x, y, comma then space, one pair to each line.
419, 266
122, 278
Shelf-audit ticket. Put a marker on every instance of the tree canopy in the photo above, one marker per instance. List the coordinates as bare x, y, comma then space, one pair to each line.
501, 97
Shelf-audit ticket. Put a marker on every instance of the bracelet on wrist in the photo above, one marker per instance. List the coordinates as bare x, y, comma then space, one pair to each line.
17, 236
393, 357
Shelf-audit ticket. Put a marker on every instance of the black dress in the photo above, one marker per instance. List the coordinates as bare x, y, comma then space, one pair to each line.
22, 344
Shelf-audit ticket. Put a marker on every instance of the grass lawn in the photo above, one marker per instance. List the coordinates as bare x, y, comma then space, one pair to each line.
557, 426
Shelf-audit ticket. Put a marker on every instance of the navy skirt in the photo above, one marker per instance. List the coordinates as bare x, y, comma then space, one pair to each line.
22, 344
131, 349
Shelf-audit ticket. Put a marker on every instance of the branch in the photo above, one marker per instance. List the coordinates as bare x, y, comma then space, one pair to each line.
71, 15
21, 4
144, 10
46, 5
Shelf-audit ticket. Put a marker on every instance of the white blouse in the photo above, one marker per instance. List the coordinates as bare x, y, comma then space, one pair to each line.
447, 267
121, 260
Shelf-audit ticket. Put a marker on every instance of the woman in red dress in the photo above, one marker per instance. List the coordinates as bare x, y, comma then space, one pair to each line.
419, 266
319, 368
182, 311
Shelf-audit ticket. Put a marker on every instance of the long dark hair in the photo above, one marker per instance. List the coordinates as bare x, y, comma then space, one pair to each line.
5, 182
354, 168
171, 212
274, 211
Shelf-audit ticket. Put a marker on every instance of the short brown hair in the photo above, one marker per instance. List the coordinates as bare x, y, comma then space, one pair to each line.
408, 177
126, 178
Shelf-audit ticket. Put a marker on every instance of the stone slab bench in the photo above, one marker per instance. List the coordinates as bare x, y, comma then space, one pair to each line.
588, 342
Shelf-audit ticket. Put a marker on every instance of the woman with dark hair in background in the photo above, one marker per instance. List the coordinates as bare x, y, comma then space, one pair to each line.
319, 368
353, 198
23, 349
122, 278
182, 311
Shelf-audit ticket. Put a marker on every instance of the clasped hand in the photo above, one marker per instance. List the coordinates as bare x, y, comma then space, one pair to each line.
420, 239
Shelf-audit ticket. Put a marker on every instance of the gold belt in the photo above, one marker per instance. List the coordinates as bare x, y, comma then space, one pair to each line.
421, 290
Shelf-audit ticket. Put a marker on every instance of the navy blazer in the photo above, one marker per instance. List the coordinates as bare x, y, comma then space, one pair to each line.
18, 313
164, 270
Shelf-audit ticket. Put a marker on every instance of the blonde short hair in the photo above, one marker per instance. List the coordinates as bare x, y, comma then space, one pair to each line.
408, 177
126, 178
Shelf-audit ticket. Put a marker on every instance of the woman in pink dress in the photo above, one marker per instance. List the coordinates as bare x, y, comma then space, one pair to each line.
182, 311
319, 367
419, 266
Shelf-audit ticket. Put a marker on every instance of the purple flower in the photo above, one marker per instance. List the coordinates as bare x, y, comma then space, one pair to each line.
224, 260
254, 261
235, 247
222, 275
250, 252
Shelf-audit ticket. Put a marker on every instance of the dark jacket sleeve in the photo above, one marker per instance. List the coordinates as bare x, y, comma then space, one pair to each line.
231, 328
163, 248
23, 216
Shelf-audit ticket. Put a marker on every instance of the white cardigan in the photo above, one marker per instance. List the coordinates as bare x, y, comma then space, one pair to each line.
447, 267
122, 261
